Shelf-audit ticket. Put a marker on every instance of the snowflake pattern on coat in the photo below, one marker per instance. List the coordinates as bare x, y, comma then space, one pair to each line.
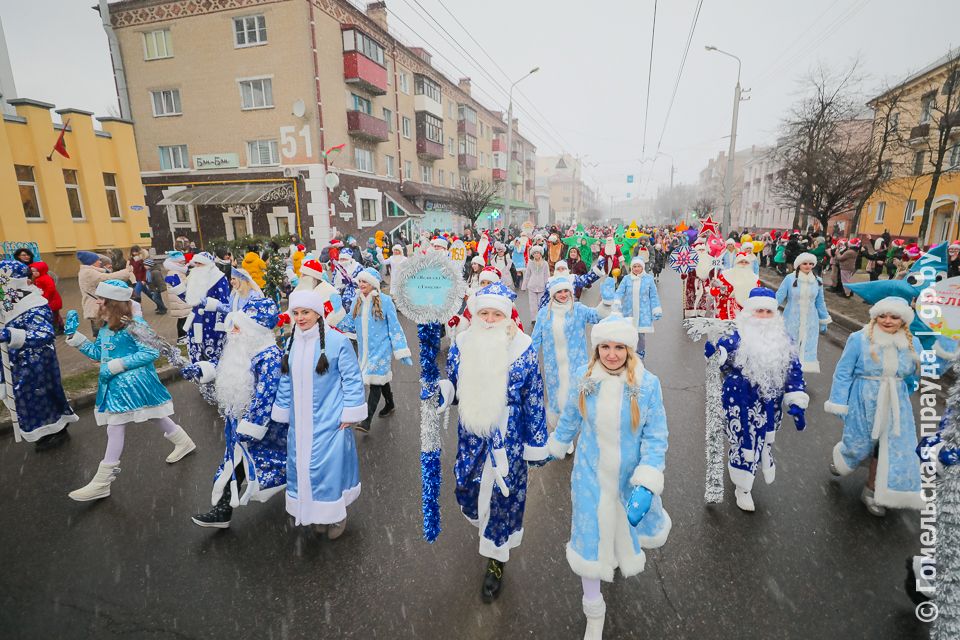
640, 301
561, 361
205, 335
579, 282
804, 313
379, 341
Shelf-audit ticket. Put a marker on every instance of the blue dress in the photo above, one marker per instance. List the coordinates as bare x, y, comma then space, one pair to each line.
639, 300
323, 470
562, 335
579, 282
804, 313
379, 341
612, 459
42, 407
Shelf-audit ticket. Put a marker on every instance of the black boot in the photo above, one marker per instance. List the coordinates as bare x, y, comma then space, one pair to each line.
52, 441
363, 427
388, 407
492, 581
219, 516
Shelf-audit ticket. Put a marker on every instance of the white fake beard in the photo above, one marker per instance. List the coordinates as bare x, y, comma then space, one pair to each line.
484, 366
704, 264
743, 280
764, 353
234, 384
610, 248
199, 282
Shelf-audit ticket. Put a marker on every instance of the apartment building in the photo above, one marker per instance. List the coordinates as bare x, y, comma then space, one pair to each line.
760, 209
238, 103
563, 184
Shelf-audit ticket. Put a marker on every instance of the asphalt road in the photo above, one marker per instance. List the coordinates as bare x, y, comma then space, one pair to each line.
811, 562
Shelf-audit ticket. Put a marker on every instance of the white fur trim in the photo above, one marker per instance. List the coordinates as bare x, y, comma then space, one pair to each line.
179, 289
838, 461
280, 415
381, 379
534, 454
366, 276
760, 302
798, 398
351, 415
447, 394
113, 292
248, 428
501, 303
804, 258
835, 409
895, 306
563, 283
658, 311
53, 427
826, 321
143, 414
810, 367
949, 356
399, 354
208, 372
646, 476
211, 304
621, 331
17, 337
307, 299
657, 541
556, 448
77, 340
116, 366
313, 512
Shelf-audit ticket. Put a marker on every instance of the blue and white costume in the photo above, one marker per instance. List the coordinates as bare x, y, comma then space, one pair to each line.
323, 470
345, 274
379, 340
805, 313
207, 289
38, 397
236, 300
561, 332
579, 282
613, 457
639, 300
871, 390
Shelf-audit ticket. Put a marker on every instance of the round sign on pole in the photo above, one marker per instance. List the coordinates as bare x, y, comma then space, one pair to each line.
458, 252
429, 287
332, 180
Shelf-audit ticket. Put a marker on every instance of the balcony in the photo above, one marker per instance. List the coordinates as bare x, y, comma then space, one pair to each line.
467, 162
365, 127
920, 131
529, 184
428, 149
517, 177
499, 175
497, 145
467, 127
950, 121
363, 73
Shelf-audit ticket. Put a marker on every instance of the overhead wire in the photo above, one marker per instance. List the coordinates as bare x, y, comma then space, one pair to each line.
646, 109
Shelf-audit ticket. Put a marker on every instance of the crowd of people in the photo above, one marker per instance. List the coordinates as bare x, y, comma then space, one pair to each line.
572, 382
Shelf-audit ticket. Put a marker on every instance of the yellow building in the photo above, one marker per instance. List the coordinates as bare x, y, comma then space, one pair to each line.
897, 206
91, 201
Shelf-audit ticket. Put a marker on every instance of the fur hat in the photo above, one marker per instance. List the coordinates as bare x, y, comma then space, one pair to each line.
259, 314
536, 249
614, 328
370, 276
804, 258
559, 283
490, 274
761, 298
307, 299
895, 306
440, 243
493, 296
478, 260
345, 253
114, 290
637, 260
561, 264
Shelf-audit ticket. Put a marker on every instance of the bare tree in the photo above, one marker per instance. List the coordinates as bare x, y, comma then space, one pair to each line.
704, 206
473, 198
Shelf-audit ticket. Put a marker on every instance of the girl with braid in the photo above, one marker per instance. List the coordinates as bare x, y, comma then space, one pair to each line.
871, 392
321, 396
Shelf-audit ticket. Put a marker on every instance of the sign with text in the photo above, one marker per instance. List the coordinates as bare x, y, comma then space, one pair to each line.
296, 145
944, 316
428, 287
216, 161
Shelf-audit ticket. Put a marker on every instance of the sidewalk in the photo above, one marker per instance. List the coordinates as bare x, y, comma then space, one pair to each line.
849, 313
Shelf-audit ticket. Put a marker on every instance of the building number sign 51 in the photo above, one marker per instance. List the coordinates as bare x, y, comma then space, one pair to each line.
296, 147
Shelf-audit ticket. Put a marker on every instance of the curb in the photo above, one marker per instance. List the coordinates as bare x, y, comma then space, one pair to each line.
840, 321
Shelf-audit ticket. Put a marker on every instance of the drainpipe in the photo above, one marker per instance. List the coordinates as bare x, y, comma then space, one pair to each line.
119, 77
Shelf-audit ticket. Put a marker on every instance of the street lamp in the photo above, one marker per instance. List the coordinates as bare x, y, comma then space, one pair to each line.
507, 212
728, 177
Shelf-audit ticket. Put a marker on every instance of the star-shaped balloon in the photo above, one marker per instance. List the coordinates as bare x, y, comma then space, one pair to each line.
623, 240
582, 243
708, 227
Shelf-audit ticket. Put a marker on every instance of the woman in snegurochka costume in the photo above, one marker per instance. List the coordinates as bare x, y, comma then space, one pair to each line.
640, 301
321, 396
129, 389
872, 383
805, 312
379, 340
617, 476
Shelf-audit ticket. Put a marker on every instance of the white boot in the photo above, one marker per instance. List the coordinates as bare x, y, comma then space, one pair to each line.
596, 612
99, 487
744, 500
182, 444
871, 503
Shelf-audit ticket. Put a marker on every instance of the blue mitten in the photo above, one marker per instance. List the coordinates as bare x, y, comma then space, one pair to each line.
949, 457
191, 372
709, 349
639, 505
4, 335
407, 361
72, 323
823, 328
798, 417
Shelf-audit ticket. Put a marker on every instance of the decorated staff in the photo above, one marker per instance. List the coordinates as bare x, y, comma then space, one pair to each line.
697, 271
429, 290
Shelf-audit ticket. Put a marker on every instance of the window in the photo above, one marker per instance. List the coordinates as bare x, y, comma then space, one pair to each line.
881, 212
73, 193
450, 148
262, 153
433, 128
468, 114
113, 196
481, 129
440, 178
405, 122
426, 174
483, 159
389, 167
926, 107
910, 212
368, 210
256, 93
364, 159
388, 118
173, 158
166, 102
28, 192
407, 170
468, 145
370, 48
404, 83
955, 156
894, 121
918, 163
250, 31
452, 108
362, 104
424, 86
389, 73
394, 210
887, 171
181, 214
157, 45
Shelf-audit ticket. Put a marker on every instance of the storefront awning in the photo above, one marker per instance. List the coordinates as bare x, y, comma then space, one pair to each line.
230, 194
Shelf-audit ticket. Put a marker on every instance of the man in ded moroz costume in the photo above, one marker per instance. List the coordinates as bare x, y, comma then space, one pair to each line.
697, 299
733, 287
207, 289
761, 378
494, 374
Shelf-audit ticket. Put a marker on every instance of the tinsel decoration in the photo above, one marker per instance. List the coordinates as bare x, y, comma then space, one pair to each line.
715, 435
147, 336
437, 264
6, 304
429, 336
274, 277
947, 591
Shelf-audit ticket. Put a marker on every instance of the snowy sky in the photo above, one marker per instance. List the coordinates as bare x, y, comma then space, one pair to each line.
588, 97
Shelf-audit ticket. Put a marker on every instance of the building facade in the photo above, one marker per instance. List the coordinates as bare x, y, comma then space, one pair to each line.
242, 129
563, 183
92, 200
760, 209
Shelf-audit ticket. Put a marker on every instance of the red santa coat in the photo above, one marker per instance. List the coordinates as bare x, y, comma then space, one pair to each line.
698, 299
732, 289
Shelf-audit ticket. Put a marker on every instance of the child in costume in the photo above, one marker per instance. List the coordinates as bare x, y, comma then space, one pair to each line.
617, 408
801, 295
639, 300
535, 278
129, 389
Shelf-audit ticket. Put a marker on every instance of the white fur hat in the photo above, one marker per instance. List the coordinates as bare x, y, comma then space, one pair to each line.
537, 249
478, 260
559, 283
493, 296
114, 290
561, 264
895, 306
637, 260
490, 274
614, 328
371, 276
307, 299
761, 298
804, 258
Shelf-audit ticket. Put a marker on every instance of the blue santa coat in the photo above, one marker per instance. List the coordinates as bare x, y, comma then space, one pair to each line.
519, 259
579, 282
323, 470
562, 358
751, 420
639, 300
613, 458
498, 517
860, 383
347, 284
804, 313
378, 340
134, 395
42, 407
205, 333
256, 441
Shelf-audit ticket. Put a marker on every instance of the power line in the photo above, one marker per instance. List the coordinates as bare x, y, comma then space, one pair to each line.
676, 84
800, 37
646, 110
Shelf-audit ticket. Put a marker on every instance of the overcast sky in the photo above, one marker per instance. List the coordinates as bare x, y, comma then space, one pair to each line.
588, 97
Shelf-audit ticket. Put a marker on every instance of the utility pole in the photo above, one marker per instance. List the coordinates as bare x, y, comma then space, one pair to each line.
728, 175
508, 191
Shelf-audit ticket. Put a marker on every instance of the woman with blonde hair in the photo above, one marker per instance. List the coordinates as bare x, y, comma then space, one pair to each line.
874, 378
617, 476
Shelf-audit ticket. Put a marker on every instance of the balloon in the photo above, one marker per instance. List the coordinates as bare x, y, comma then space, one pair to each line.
692, 235
615, 273
682, 227
746, 238
715, 245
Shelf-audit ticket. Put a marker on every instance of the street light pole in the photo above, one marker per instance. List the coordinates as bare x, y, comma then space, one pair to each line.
507, 210
728, 176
